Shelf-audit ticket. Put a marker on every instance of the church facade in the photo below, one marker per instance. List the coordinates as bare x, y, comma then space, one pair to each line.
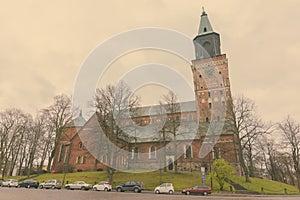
213, 97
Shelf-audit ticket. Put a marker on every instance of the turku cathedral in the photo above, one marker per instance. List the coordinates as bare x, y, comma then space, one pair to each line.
213, 138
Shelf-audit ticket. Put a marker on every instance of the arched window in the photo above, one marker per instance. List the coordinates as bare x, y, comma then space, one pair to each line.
188, 151
80, 145
205, 29
206, 119
170, 164
60, 152
83, 160
152, 152
135, 153
78, 159
217, 153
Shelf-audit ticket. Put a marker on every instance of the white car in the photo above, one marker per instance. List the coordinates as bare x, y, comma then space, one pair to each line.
78, 185
102, 186
164, 188
10, 183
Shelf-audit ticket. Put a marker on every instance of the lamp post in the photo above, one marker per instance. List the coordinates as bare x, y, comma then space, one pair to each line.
210, 171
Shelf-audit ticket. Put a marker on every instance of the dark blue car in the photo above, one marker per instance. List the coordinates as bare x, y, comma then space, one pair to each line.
29, 184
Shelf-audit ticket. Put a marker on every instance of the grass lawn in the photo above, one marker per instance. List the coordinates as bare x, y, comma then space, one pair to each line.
269, 186
180, 180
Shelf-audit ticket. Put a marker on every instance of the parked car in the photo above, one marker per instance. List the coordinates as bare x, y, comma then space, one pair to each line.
29, 184
10, 183
164, 188
204, 190
78, 185
136, 186
53, 184
102, 186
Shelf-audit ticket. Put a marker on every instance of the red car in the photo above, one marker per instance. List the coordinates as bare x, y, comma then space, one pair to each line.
204, 190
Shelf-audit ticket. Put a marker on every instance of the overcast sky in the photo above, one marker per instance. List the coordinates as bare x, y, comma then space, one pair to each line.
44, 43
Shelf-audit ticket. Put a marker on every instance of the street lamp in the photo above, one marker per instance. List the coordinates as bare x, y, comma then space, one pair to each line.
210, 171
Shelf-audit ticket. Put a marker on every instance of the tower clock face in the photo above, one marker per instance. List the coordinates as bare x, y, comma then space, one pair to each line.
209, 72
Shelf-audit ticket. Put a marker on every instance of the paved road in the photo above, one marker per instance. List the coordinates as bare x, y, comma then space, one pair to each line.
38, 194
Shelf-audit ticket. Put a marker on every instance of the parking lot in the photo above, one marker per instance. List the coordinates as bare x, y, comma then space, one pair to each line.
38, 194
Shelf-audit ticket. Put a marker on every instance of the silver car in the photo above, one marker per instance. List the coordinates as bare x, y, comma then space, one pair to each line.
51, 184
78, 185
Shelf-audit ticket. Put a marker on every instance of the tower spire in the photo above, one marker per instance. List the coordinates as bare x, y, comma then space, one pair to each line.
207, 42
205, 26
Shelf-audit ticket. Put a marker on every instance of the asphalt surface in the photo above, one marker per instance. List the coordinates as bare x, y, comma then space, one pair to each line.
39, 194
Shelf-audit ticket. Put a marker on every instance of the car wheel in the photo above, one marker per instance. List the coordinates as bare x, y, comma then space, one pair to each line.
119, 189
188, 193
157, 192
171, 192
205, 193
106, 189
28, 186
94, 189
136, 190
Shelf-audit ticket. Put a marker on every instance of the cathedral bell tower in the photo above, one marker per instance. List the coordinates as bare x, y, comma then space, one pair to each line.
210, 74
207, 42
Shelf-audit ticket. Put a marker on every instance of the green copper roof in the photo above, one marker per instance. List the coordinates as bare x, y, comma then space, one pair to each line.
205, 26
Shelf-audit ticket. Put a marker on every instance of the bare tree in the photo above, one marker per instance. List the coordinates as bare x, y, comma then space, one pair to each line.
13, 127
113, 104
291, 133
38, 130
247, 127
60, 116
172, 107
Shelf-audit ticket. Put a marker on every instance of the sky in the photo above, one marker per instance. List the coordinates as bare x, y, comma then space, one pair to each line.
43, 45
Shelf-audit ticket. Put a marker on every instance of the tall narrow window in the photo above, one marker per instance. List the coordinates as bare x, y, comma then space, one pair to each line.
78, 159
190, 117
223, 103
66, 158
83, 159
188, 151
135, 153
208, 93
152, 152
206, 119
60, 152
217, 152
209, 105
205, 29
